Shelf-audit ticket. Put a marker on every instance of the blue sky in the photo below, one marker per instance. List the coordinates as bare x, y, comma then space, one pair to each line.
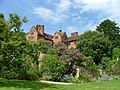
70, 15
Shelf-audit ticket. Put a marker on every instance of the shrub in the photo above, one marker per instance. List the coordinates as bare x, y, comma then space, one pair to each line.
106, 63
75, 59
52, 68
115, 70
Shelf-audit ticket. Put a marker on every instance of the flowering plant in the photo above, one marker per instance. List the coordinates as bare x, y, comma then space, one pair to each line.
73, 59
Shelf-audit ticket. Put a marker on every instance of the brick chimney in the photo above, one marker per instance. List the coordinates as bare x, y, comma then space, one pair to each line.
74, 34
41, 29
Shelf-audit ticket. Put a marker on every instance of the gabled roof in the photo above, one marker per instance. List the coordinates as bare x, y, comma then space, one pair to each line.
48, 36
33, 29
63, 36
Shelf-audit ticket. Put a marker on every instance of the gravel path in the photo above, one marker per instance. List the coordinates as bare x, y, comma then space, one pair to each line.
51, 82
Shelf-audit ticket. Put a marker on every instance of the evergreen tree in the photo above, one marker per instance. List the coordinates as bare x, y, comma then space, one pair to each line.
111, 30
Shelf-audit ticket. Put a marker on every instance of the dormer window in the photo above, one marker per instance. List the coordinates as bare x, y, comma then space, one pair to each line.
56, 37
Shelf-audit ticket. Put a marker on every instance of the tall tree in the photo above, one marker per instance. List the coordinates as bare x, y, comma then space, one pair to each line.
15, 22
14, 51
95, 44
111, 30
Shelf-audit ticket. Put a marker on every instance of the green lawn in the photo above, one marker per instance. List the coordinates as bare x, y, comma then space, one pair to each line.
35, 85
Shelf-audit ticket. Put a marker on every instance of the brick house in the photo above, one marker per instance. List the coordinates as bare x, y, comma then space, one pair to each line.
37, 33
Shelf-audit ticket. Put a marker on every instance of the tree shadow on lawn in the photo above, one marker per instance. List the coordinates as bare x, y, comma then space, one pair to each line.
33, 85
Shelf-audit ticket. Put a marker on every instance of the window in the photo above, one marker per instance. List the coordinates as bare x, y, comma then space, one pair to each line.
56, 37
74, 42
32, 35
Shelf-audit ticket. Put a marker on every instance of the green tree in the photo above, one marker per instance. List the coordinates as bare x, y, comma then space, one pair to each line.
15, 22
111, 30
4, 32
15, 52
95, 44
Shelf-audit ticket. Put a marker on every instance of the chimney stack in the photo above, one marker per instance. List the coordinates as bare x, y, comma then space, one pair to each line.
74, 34
41, 29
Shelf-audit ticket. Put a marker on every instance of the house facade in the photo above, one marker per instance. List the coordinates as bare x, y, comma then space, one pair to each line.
37, 33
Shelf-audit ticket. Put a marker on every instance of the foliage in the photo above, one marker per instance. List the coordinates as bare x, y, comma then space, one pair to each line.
116, 53
4, 32
44, 46
106, 63
59, 48
111, 66
52, 68
72, 58
95, 44
111, 30
75, 59
15, 51
115, 70
15, 22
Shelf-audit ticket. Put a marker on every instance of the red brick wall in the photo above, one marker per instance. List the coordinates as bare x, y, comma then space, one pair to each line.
57, 38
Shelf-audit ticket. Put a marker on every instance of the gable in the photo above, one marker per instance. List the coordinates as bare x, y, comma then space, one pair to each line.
33, 29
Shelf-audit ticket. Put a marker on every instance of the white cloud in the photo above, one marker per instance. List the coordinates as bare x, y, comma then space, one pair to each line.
73, 9
57, 15
106, 7
90, 26
49, 15
71, 29
63, 5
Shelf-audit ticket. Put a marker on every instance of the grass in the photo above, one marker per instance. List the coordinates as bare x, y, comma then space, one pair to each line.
36, 85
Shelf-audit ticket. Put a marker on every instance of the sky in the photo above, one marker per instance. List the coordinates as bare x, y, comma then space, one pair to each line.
69, 15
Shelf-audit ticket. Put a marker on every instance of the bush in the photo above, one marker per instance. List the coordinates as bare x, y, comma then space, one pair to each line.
106, 63
52, 68
116, 68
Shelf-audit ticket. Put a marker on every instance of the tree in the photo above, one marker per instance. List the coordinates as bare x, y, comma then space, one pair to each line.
4, 32
95, 44
15, 22
15, 51
111, 30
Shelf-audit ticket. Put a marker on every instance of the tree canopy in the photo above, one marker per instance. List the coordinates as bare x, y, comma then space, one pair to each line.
95, 44
15, 51
111, 30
